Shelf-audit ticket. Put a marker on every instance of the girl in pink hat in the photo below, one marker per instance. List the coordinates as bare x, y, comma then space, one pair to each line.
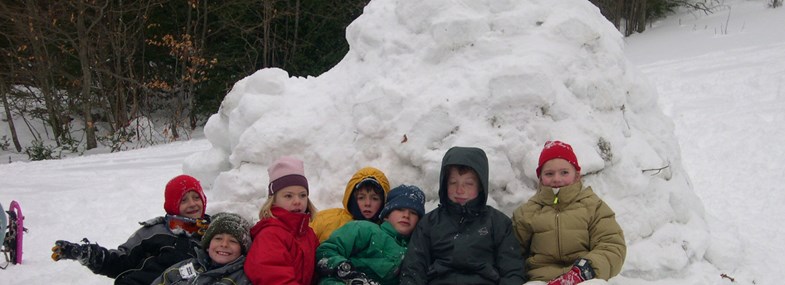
567, 233
284, 246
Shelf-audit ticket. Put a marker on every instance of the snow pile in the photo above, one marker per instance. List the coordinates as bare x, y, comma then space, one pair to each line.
502, 75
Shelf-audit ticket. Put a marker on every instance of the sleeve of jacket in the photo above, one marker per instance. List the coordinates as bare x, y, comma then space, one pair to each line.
326, 221
268, 261
344, 241
508, 251
523, 231
416, 262
127, 256
609, 249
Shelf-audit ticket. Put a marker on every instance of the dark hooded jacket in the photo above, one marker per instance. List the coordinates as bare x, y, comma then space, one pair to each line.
205, 272
469, 244
146, 254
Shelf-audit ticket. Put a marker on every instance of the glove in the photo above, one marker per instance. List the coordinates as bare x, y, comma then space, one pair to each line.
580, 271
84, 253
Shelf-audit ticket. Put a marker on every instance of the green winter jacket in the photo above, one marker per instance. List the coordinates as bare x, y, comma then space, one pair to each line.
376, 250
580, 225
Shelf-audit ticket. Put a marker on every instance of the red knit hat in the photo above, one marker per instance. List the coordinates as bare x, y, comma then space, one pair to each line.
176, 189
557, 149
286, 171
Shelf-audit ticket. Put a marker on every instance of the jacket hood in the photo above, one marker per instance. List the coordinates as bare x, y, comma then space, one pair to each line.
359, 176
468, 156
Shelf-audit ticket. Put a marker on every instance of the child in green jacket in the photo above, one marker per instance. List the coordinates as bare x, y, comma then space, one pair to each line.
362, 252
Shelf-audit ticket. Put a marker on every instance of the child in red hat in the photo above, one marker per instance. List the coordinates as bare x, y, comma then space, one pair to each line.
160, 243
567, 233
284, 246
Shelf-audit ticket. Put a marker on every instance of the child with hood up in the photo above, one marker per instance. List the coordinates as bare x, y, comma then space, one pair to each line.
568, 234
224, 244
463, 241
160, 243
284, 246
363, 199
361, 252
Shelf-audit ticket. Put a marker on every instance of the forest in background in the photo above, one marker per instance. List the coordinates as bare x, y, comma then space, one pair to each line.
103, 69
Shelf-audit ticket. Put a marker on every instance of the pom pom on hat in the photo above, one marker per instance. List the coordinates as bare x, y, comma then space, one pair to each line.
229, 223
405, 196
286, 171
176, 189
557, 149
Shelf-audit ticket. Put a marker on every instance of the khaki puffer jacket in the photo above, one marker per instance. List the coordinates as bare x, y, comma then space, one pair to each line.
554, 233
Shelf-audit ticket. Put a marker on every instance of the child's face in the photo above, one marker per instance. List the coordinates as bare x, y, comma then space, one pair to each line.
462, 188
368, 201
224, 248
191, 205
403, 220
292, 198
557, 173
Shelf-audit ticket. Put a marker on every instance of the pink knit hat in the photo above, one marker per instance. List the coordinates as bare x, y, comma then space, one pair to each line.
557, 149
286, 171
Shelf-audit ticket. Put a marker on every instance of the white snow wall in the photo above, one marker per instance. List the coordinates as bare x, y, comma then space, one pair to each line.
502, 75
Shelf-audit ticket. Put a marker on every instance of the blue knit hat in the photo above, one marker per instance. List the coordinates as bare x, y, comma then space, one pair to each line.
405, 196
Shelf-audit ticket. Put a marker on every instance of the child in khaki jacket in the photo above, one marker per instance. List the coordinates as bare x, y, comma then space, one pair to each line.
567, 233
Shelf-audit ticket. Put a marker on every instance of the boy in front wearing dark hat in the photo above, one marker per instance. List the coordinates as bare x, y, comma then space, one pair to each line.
160, 243
590, 242
361, 252
225, 244
363, 199
283, 245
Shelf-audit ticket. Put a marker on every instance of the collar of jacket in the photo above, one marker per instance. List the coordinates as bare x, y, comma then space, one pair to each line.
296, 223
470, 210
388, 228
567, 195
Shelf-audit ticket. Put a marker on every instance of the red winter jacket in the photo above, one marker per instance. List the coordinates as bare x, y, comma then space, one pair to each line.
283, 250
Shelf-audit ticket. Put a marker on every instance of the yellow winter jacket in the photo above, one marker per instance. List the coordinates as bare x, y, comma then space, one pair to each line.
326, 221
555, 233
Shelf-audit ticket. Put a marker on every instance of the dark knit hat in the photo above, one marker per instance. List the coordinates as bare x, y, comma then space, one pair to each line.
557, 149
176, 188
405, 196
286, 171
229, 223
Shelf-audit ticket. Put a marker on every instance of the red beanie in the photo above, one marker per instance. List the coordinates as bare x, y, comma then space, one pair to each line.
557, 149
286, 171
176, 188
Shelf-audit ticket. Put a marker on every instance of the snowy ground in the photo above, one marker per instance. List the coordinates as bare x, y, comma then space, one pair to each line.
726, 95
720, 78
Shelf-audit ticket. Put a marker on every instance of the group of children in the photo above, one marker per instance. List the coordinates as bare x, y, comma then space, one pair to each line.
565, 234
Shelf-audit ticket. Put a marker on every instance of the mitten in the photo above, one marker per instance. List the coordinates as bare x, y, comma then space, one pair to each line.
345, 271
86, 253
580, 271
361, 281
68, 250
